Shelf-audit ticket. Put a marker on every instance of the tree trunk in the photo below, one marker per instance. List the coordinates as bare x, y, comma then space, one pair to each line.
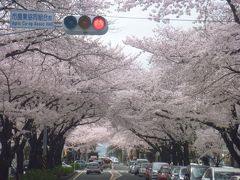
174, 152
58, 152
19, 163
35, 157
230, 145
165, 155
7, 152
186, 153
20, 159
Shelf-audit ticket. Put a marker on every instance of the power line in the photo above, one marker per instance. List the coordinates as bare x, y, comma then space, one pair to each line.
167, 19
59, 24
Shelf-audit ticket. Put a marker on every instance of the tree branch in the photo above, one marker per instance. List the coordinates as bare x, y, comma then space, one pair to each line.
234, 11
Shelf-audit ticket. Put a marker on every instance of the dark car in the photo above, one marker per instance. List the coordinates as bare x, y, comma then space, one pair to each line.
195, 172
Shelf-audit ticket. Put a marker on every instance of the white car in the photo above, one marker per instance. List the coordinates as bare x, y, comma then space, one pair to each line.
220, 173
142, 169
115, 160
235, 178
65, 165
93, 167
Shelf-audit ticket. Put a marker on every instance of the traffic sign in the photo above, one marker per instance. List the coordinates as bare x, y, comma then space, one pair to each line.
31, 19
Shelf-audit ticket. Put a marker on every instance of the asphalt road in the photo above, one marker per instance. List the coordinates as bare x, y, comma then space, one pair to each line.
127, 176
104, 176
119, 172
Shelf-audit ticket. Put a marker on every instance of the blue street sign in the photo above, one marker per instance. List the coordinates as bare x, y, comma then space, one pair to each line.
31, 19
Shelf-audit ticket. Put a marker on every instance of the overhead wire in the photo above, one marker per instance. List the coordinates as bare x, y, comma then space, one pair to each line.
58, 24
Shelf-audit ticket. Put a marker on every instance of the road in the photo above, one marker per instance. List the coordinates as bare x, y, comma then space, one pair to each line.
119, 172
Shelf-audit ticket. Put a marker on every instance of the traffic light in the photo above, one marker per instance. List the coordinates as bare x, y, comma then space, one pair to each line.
85, 25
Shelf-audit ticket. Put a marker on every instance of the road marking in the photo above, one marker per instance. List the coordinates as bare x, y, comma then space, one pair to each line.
78, 175
114, 174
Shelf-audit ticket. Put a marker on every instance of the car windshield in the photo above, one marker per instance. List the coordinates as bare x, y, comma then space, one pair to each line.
197, 172
175, 170
165, 170
92, 165
141, 161
131, 162
225, 175
156, 166
144, 165
183, 171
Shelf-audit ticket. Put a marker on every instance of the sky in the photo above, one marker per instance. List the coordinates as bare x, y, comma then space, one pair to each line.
123, 27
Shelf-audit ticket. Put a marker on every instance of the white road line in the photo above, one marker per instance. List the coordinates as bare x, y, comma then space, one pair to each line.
78, 175
114, 174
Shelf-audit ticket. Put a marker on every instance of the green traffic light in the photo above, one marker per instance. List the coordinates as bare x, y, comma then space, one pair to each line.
70, 22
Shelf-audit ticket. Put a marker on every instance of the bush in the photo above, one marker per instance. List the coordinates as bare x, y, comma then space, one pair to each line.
62, 171
39, 174
77, 166
44, 174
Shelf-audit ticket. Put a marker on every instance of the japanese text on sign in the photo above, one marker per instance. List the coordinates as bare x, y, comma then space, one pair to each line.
31, 19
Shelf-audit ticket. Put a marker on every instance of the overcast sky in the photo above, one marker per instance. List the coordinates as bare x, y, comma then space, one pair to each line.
123, 27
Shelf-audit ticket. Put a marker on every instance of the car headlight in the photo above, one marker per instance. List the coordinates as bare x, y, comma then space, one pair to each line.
154, 172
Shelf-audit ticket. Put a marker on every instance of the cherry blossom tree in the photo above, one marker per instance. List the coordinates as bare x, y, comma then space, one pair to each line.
209, 144
226, 10
198, 69
48, 79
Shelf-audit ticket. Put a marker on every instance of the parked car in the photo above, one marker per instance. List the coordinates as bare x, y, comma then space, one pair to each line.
114, 160
195, 172
130, 165
100, 163
148, 171
142, 169
164, 173
235, 178
81, 163
152, 172
220, 173
25, 165
93, 167
65, 165
137, 164
178, 172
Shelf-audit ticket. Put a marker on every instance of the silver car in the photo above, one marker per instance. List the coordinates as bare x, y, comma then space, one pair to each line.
235, 178
93, 167
220, 173
178, 172
142, 169
137, 164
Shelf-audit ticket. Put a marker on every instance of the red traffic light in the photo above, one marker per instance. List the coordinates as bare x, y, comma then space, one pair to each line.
99, 23
85, 25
